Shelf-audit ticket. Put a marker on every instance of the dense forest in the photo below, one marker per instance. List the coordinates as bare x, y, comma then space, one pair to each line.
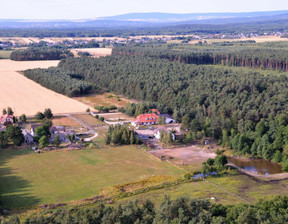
207, 99
182, 210
252, 55
44, 53
59, 80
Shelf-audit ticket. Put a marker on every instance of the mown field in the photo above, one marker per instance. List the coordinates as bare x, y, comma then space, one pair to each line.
28, 179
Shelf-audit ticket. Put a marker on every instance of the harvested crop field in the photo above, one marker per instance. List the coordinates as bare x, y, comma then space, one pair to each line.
26, 96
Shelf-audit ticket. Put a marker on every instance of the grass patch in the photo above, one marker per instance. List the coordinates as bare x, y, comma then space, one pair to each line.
29, 179
105, 99
88, 119
5, 54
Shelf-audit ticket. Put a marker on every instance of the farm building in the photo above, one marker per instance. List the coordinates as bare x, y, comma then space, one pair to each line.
6, 119
145, 119
28, 138
151, 118
62, 132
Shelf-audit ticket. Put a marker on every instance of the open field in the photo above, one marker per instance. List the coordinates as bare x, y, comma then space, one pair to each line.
65, 121
88, 119
117, 116
238, 184
29, 179
25, 96
95, 52
105, 99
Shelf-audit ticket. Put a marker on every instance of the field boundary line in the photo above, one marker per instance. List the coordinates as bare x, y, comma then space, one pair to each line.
222, 189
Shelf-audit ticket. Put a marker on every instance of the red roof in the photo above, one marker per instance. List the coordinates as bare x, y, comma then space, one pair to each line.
146, 118
155, 111
4, 117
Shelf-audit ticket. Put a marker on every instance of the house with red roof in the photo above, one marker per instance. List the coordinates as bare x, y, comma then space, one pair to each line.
6, 119
155, 111
145, 119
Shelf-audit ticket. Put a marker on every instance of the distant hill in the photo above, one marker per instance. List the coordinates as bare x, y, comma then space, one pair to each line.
155, 19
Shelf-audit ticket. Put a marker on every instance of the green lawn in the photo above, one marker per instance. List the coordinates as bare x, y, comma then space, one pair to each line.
29, 179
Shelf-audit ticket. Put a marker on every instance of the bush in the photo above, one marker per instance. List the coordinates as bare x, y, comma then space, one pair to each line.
187, 176
101, 118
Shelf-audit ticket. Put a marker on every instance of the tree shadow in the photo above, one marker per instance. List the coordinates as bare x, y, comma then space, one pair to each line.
14, 189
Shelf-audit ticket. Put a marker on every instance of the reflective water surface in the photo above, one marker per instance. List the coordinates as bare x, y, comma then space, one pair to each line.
260, 166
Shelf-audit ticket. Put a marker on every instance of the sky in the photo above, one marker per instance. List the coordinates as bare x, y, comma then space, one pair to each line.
83, 9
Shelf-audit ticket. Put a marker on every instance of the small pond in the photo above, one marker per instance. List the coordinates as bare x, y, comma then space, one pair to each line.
260, 166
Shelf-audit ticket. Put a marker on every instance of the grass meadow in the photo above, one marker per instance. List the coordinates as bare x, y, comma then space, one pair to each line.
237, 184
28, 179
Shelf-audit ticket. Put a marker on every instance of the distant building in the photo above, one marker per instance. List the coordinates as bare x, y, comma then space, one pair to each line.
28, 138
33, 129
151, 118
6, 119
62, 132
157, 133
145, 119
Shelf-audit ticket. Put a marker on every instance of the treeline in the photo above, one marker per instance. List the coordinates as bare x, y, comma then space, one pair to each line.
121, 135
12, 134
206, 99
269, 139
254, 56
182, 210
60, 81
44, 53
133, 109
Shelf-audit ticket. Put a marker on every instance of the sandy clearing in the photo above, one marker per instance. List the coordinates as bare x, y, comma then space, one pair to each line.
96, 52
26, 96
188, 155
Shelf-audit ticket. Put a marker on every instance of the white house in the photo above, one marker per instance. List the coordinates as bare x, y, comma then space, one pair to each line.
157, 132
28, 138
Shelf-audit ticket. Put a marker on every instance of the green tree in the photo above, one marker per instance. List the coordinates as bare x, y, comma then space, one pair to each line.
220, 161
43, 141
10, 111
57, 140
39, 116
23, 118
4, 111
132, 137
3, 140
48, 113
278, 156
14, 134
